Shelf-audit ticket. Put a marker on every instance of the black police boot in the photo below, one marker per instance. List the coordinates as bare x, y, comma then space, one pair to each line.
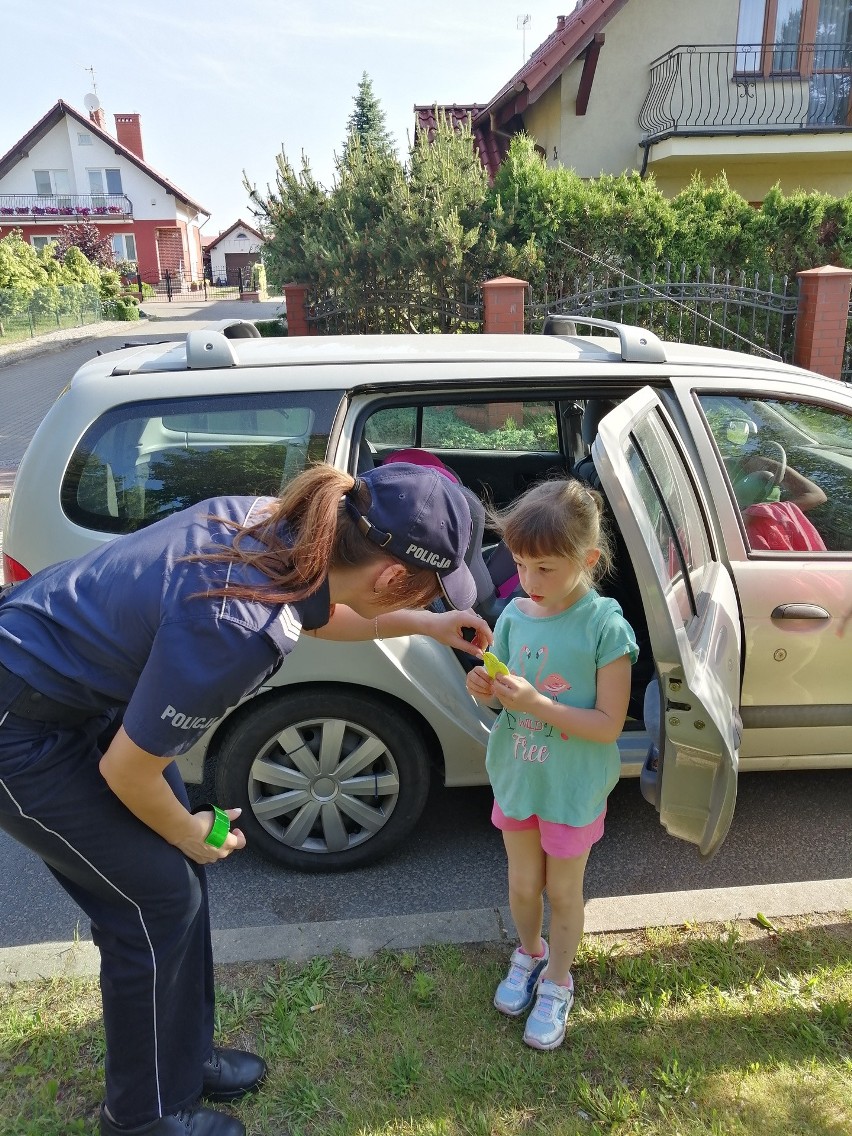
231, 1073
191, 1122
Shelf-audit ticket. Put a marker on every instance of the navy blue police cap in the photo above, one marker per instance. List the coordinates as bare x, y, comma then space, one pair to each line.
420, 517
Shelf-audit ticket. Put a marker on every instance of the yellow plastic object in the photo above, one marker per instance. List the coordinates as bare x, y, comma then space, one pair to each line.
493, 665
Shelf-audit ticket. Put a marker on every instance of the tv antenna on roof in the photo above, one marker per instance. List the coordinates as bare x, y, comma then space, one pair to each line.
91, 71
523, 23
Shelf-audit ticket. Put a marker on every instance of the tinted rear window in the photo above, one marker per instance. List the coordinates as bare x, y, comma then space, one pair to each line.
143, 461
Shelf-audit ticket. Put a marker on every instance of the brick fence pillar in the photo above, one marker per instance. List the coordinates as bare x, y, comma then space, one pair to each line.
295, 300
503, 305
822, 318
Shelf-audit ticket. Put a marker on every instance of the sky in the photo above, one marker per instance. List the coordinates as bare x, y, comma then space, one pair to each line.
222, 86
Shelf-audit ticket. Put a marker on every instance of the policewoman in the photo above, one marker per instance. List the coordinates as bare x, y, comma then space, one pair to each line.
170, 626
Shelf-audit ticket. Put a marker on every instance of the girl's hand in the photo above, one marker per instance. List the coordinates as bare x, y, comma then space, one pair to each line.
195, 847
479, 684
515, 693
447, 628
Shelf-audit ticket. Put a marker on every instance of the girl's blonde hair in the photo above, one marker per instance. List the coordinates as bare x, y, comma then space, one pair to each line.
323, 536
561, 517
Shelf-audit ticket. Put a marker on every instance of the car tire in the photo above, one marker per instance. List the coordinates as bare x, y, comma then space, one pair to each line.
344, 811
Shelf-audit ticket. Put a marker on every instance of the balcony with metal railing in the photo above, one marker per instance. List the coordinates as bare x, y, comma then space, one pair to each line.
30, 208
748, 89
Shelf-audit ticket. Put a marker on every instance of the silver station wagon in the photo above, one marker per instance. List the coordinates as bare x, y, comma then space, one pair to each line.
728, 481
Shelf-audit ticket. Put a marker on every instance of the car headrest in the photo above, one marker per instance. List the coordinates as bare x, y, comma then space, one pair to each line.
594, 410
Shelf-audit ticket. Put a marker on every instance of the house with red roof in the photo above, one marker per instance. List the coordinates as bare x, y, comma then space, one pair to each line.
68, 168
232, 252
759, 89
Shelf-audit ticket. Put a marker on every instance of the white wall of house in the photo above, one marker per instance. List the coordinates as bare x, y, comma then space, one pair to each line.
62, 149
240, 241
606, 139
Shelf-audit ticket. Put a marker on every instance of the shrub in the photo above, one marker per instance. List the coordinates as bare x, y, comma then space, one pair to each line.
258, 278
121, 308
273, 327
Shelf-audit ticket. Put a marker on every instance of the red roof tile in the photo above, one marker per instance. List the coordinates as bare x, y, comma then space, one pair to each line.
572, 36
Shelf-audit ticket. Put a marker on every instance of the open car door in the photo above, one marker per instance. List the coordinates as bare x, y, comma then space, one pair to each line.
692, 612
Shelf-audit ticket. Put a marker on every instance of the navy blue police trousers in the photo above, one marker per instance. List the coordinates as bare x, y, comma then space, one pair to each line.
146, 901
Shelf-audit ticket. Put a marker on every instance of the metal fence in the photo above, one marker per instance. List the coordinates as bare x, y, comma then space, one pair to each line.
416, 308
178, 287
748, 88
741, 314
51, 308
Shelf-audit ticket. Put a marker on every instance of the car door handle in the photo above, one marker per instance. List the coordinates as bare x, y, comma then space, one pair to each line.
800, 611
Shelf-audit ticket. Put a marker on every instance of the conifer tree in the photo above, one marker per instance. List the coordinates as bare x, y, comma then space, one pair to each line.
367, 122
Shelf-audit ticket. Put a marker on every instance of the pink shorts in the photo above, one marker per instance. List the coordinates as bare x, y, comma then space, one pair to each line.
562, 841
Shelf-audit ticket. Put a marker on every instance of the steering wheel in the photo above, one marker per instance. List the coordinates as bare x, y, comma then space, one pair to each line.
781, 457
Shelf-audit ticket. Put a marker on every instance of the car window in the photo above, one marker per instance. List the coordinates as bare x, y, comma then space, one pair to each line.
789, 468
512, 426
678, 535
143, 461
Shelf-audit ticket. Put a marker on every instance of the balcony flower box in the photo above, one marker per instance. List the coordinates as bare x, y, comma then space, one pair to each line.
22, 211
7, 212
39, 211
66, 211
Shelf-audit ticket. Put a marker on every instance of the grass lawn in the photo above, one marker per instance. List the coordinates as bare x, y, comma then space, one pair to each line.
723, 1030
19, 328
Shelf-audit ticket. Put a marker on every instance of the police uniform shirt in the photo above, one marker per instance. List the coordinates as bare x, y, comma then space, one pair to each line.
131, 624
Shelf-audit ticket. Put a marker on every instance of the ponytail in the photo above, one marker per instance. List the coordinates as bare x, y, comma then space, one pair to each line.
320, 534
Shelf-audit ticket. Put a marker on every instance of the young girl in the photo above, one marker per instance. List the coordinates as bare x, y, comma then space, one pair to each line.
552, 755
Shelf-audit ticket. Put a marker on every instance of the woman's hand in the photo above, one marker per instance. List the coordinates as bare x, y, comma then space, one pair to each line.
136, 778
447, 628
194, 845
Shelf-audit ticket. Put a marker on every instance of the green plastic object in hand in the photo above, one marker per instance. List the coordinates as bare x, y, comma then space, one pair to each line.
493, 665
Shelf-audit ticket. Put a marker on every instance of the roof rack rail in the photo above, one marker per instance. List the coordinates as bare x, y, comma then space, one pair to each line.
635, 343
211, 346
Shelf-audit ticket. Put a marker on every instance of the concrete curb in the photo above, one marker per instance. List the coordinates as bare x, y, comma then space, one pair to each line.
360, 937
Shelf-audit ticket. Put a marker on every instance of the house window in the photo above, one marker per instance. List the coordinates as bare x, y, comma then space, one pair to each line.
772, 33
105, 181
124, 246
50, 182
41, 242
84, 139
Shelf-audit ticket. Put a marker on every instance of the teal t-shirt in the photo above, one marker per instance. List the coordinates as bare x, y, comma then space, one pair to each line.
532, 768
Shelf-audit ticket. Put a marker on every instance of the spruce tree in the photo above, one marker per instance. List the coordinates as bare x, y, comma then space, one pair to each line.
367, 122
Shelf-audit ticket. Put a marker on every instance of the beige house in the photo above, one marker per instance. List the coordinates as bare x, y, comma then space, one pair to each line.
759, 89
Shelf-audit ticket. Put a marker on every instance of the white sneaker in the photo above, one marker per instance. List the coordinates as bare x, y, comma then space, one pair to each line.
545, 1028
517, 990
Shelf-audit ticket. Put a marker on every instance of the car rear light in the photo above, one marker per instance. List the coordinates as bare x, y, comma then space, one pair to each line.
13, 572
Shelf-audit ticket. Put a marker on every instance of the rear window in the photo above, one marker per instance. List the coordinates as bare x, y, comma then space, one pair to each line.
143, 461
519, 426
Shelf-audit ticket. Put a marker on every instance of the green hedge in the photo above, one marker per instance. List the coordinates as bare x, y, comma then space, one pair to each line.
436, 221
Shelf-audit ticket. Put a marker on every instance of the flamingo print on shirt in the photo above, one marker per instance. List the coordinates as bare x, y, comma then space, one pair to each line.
553, 684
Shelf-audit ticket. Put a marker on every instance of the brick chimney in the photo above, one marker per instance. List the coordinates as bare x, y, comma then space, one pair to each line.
98, 117
129, 133
560, 23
